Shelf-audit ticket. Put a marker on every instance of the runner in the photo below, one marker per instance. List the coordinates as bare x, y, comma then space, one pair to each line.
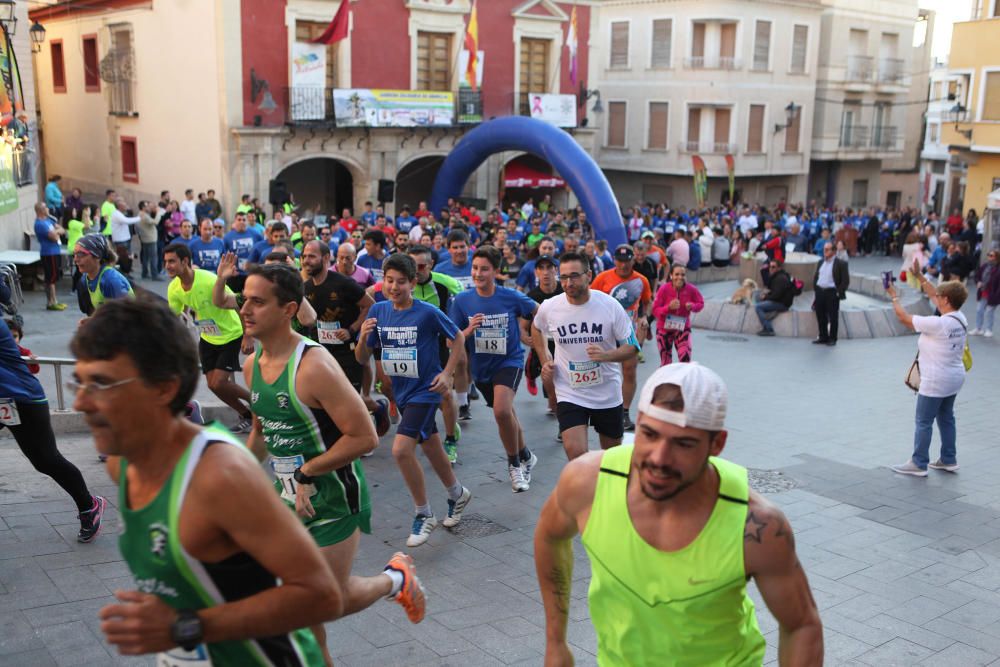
240, 240
221, 330
25, 411
631, 289
204, 537
496, 319
593, 335
673, 534
308, 418
206, 249
547, 286
675, 302
407, 331
374, 254
457, 265
341, 306
95, 259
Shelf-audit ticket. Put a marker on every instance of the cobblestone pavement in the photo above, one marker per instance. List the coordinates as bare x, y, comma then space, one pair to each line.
905, 571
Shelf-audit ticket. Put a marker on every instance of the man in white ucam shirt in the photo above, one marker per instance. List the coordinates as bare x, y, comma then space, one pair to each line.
121, 236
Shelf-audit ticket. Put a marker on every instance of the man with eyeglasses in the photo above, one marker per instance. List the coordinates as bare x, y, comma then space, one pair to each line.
24, 410
205, 537
593, 336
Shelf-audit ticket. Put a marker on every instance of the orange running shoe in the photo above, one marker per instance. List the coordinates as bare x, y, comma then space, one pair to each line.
411, 595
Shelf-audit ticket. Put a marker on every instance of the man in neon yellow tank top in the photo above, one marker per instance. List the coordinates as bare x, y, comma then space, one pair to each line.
204, 537
673, 534
315, 427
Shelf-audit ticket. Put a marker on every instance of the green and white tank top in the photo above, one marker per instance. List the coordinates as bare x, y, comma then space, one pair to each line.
151, 546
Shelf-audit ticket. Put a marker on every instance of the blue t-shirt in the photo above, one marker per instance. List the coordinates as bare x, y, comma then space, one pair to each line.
496, 343
409, 342
404, 223
242, 244
369, 218
207, 255
260, 250
694, 259
16, 381
46, 246
373, 264
463, 273
113, 284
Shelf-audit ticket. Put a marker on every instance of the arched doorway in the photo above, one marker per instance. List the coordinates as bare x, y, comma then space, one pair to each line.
320, 181
530, 177
415, 181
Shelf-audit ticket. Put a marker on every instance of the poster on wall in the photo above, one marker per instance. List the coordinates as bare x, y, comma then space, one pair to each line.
363, 107
307, 97
8, 188
558, 110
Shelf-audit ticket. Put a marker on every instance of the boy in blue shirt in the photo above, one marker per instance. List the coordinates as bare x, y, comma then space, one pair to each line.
407, 331
494, 320
457, 264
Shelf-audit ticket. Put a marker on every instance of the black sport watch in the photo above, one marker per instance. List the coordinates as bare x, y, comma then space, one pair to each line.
187, 630
302, 478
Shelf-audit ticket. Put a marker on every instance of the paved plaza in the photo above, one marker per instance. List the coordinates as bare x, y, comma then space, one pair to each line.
905, 571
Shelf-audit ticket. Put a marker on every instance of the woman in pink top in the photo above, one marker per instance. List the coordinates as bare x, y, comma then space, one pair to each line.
675, 301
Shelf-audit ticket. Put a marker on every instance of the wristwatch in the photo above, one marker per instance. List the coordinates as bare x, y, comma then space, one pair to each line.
187, 630
301, 477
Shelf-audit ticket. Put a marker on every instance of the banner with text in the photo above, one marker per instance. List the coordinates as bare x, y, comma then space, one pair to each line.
364, 107
558, 110
307, 100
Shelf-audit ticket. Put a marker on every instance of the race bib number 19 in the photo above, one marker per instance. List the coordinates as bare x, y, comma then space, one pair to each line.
400, 362
178, 657
584, 373
8, 412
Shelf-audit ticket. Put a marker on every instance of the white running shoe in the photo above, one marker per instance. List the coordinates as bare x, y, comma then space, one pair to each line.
517, 481
988, 334
909, 468
456, 507
976, 332
421, 530
527, 466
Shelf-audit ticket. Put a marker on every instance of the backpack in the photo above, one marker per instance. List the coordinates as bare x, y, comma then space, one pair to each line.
797, 286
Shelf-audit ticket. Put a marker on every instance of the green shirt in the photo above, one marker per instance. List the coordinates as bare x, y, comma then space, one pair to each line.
217, 326
682, 608
151, 546
74, 230
107, 208
535, 239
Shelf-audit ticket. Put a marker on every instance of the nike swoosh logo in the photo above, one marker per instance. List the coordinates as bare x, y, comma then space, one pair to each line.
699, 582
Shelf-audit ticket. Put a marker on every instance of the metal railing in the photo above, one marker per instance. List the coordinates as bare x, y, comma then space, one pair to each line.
313, 105
884, 137
854, 136
707, 147
24, 173
860, 68
712, 62
57, 363
890, 70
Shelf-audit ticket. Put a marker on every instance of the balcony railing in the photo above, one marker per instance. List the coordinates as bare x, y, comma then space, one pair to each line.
712, 62
860, 68
313, 105
24, 172
707, 147
854, 136
884, 137
890, 70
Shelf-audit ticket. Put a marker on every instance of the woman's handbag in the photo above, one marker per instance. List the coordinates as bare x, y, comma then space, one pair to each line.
912, 379
966, 353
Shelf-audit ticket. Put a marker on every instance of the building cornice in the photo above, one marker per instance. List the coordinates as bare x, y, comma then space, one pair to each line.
73, 9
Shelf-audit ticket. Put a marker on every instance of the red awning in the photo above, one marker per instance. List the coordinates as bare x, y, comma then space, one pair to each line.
520, 175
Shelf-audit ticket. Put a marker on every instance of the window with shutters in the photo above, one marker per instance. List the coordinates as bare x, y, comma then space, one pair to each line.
58, 66
792, 132
91, 66
619, 44
694, 128
698, 41
534, 70
755, 129
130, 160
991, 96
727, 46
762, 46
118, 71
800, 42
662, 45
723, 118
433, 60
656, 138
616, 125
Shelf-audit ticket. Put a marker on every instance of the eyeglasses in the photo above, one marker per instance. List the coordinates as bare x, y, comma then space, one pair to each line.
570, 277
95, 387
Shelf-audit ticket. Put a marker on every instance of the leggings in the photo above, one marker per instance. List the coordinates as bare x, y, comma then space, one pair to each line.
667, 339
37, 441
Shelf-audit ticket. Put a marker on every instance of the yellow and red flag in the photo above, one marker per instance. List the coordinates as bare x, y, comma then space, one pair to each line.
472, 46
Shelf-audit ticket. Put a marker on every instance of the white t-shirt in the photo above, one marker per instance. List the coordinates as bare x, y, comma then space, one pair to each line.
600, 321
188, 210
747, 223
941, 343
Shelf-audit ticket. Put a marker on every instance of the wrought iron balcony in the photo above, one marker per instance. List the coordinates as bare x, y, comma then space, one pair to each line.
860, 68
890, 70
707, 147
884, 137
712, 62
854, 136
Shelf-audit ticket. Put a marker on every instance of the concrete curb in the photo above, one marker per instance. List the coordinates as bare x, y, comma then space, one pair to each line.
69, 422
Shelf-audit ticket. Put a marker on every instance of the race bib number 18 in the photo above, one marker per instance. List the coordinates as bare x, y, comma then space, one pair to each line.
491, 341
400, 362
8, 412
584, 373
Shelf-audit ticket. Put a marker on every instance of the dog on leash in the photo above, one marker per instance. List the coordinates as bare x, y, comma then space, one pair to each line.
744, 294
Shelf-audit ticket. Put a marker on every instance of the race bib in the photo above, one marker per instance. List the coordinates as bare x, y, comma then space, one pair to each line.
178, 657
400, 362
674, 323
465, 281
8, 412
207, 327
584, 373
326, 333
491, 341
284, 469
241, 263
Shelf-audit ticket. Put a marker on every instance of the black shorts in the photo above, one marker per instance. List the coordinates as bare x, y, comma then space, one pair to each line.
418, 421
534, 368
225, 357
52, 268
444, 353
236, 283
344, 354
508, 377
606, 421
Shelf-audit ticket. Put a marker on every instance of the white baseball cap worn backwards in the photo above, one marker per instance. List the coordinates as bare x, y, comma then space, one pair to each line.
702, 390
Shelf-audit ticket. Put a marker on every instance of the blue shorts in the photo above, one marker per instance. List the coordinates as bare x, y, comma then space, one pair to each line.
507, 376
418, 421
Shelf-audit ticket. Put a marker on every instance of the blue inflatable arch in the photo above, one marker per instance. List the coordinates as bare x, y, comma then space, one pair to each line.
547, 142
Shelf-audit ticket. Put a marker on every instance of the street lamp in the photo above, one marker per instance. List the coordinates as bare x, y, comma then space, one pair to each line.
7, 16
37, 33
586, 94
957, 114
791, 114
